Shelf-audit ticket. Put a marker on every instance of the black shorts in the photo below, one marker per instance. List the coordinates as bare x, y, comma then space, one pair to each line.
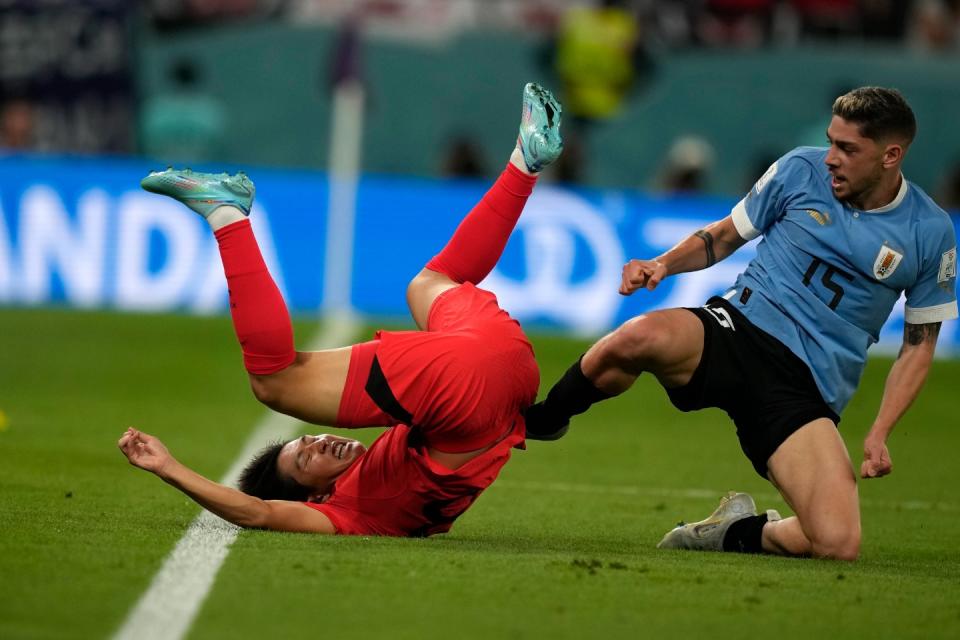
766, 390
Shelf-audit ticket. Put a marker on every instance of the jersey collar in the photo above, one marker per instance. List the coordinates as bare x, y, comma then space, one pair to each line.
901, 194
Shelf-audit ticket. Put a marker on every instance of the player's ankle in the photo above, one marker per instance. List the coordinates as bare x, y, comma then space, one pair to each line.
224, 215
516, 159
746, 535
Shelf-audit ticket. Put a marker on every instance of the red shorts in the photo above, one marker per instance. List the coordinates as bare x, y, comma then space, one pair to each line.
462, 383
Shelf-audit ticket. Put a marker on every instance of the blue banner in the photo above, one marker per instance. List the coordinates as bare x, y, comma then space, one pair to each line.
82, 233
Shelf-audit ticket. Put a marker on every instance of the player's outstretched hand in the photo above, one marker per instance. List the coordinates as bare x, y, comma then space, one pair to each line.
641, 274
876, 459
144, 451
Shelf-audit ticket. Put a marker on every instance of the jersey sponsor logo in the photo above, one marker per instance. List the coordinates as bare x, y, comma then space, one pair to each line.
766, 178
722, 317
886, 263
822, 218
948, 265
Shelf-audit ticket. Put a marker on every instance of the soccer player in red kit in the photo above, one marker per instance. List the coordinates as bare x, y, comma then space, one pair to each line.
453, 392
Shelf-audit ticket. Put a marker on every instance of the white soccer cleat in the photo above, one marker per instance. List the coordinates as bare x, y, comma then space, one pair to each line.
707, 535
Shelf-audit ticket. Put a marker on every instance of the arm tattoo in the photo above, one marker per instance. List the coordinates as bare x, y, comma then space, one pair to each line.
914, 334
708, 245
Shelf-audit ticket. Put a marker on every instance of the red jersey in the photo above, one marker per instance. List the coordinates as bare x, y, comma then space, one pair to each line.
395, 489
463, 383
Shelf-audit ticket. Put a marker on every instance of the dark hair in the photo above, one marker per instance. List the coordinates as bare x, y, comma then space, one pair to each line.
881, 113
262, 479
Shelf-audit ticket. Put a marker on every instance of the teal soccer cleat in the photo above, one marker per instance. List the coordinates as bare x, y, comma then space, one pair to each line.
202, 192
539, 138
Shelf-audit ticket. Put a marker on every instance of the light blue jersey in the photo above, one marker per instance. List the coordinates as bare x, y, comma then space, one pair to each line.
826, 276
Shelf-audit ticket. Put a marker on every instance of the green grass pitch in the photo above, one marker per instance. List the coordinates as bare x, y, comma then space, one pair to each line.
562, 546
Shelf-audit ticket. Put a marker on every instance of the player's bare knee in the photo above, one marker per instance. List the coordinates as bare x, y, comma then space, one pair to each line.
423, 290
265, 389
424, 281
414, 286
636, 340
845, 552
839, 544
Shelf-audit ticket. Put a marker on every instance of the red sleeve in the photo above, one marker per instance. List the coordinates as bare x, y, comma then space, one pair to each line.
342, 522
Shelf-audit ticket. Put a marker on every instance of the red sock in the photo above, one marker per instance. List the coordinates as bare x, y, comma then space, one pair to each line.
260, 316
477, 243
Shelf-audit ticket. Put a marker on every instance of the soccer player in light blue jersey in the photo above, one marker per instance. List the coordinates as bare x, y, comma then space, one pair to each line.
844, 235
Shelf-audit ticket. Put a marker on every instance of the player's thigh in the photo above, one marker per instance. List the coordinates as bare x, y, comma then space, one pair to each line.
310, 389
667, 343
813, 472
423, 290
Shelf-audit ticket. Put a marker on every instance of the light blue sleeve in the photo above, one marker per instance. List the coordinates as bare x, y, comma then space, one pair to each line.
767, 201
933, 297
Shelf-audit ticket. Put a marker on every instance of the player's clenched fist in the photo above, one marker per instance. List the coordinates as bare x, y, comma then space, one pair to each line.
642, 274
876, 459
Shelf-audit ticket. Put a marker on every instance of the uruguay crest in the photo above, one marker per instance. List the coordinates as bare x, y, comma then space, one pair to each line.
886, 263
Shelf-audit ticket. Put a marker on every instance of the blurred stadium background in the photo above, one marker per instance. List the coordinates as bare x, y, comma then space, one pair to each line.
673, 109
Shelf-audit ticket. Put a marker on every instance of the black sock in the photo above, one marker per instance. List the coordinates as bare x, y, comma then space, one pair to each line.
744, 535
572, 395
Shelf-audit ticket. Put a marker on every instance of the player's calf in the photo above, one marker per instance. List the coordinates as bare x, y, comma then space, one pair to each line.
609, 368
259, 313
478, 242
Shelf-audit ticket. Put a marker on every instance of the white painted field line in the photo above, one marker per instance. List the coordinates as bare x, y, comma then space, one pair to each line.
167, 608
665, 492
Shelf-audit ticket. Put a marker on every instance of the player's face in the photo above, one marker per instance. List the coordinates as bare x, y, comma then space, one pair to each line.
316, 461
855, 162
